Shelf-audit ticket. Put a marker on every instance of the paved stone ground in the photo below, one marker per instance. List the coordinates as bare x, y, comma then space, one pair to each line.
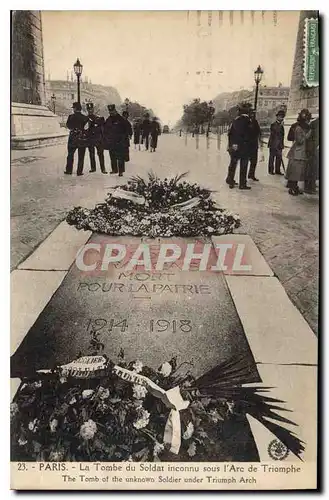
285, 228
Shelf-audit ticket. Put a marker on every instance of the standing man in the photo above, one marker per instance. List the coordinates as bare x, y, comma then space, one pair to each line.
276, 144
129, 133
146, 125
155, 132
95, 138
137, 133
239, 146
254, 143
76, 123
115, 133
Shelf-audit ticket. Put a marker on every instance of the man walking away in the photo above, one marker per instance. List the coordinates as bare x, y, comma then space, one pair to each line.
76, 124
155, 132
146, 125
115, 133
312, 162
95, 138
276, 144
137, 133
129, 133
239, 146
254, 144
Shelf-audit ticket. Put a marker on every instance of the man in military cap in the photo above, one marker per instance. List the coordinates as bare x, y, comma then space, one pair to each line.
115, 140
76, 123
276, 144
95, 138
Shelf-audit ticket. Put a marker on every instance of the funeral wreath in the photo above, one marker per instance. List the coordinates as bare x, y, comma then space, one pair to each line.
95, 410
156, 207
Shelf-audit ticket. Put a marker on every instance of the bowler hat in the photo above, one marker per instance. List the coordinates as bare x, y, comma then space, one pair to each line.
77, 106
281, 112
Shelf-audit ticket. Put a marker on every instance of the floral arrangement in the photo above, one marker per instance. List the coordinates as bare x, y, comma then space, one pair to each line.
155, 207
58, 416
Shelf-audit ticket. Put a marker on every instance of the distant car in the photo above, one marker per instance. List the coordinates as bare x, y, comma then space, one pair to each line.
165, 129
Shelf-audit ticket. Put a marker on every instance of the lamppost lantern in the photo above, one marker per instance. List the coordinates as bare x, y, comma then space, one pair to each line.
53, 100
78, 71
258, 74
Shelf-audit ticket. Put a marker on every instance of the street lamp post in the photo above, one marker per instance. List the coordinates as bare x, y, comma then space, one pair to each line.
78, 71
53, 100
258, 77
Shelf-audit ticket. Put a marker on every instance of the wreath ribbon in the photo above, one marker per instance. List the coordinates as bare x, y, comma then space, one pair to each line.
171, 398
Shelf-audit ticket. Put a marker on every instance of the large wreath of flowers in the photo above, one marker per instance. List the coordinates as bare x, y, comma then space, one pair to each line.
106, 418
155, 207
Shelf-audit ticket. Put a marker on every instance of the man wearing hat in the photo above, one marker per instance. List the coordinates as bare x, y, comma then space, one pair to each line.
115, 134
76, 123
146, 130
239, 146
95, 138
276, 144
255, 134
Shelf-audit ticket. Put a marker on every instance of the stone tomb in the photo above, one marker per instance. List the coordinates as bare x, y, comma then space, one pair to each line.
152, 315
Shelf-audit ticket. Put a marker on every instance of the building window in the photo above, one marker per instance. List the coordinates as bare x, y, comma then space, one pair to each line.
265, 103
72, 97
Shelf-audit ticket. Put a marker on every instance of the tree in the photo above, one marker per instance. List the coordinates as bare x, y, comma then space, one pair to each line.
196, 114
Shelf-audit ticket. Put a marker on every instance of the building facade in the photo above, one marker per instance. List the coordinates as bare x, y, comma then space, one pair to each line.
270, 98
65, 92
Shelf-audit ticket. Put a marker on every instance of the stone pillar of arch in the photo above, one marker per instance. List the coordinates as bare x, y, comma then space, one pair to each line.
32, 124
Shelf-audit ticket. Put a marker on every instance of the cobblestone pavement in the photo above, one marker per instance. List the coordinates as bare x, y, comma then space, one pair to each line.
285, 228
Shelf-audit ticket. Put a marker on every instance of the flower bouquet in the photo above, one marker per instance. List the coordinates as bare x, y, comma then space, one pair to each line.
95, 410
154, 208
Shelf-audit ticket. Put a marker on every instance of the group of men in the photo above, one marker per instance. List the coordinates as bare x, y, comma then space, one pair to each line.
244, 139
96, 134
146, 132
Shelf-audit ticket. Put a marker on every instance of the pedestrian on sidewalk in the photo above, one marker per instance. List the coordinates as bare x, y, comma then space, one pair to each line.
137, 125
146, 126
115, 133
297, 155
312, 163
276, 144
239, 146
129, 134
76, 123
155, 131
255, 137
95, 138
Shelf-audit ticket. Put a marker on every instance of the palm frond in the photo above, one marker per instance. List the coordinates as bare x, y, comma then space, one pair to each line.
179, 177
227, 381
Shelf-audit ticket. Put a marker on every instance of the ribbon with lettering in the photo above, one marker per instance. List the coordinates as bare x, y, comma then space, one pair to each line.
171, 398
91, 366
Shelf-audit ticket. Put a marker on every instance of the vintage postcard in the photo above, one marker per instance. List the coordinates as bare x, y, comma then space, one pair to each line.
164, 250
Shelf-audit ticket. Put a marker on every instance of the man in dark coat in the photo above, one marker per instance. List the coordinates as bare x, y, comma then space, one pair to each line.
76, 124
95, 138
129, 133
155, 132
239, 147
254, 144
115, 140
276, 144
146, 129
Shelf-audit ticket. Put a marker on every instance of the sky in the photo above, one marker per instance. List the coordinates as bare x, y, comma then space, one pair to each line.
164, 59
